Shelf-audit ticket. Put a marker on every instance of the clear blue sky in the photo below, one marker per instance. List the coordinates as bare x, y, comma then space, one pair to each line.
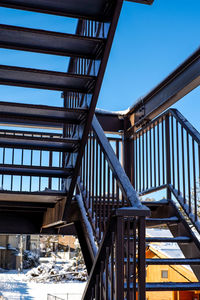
150, 42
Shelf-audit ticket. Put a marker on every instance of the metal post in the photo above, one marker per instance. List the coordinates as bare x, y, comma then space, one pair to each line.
168, 160
119, 255
141, 259
50, 165
127, 158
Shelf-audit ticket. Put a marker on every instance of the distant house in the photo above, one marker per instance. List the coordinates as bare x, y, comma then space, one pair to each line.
67, 241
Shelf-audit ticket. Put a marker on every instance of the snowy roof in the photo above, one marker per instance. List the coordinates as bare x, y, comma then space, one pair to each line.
168, 249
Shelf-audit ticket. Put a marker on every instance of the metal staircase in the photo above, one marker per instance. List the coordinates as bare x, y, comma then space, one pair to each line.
60, 174
88, 51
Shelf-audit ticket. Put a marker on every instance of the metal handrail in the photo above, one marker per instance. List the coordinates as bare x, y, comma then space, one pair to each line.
167, 154
108, 273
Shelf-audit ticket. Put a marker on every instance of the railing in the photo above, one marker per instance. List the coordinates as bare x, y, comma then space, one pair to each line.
105, 187
24, 157
52, 297
66, 296
119, 268
100, 189
85, 66
166, 154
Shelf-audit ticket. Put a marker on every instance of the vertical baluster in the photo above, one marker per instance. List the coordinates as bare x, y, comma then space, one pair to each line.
119, 256
108, 202
154, 154
101, 280
93, 174
133, 163
96, 187
134, 251
104, 192
163, 151
83, 170
141, 259
13, 156
22, 162
3, 162
113, 190
177, 155
143, 176
50, 165
136, 164
158, 152
188, 168
150, 151
106, 272
59, 164
183, 162
194, 181
40, 166
139, 154
87, 174
97, 289
168, 156
147, 167
100, 194
117, 187
128, 258
90, 169
112, 266
31, 163
172, 152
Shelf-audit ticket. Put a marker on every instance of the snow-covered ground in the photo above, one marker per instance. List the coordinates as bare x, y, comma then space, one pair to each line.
15, 286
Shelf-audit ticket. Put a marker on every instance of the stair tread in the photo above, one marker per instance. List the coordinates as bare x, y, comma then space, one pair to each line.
43, 79
155, 203
40, 114
170, 219
173, 261
173, 286
168, 286
168, 261
180, 239
35, 171
86, 8
20, 38
38, 143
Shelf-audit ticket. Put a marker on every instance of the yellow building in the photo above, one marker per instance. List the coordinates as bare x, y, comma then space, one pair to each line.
165, 273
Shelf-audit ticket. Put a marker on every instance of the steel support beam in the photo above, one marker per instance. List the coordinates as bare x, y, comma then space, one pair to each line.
179, 83
110, 122
149, 2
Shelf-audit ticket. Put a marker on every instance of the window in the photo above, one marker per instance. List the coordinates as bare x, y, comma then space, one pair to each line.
164, 274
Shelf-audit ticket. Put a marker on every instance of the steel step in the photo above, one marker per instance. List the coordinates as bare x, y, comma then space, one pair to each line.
158, 221
155, 203
42, 41
43, 79
35, 171
173, 286
181, 239
40, 114
88, 9
169, 286
173, 261
38, 143
167, 261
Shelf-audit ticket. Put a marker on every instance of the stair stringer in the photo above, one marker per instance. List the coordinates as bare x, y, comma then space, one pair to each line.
191, 250
85, 235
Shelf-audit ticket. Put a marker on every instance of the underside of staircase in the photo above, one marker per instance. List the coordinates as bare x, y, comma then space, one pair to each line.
60, 173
